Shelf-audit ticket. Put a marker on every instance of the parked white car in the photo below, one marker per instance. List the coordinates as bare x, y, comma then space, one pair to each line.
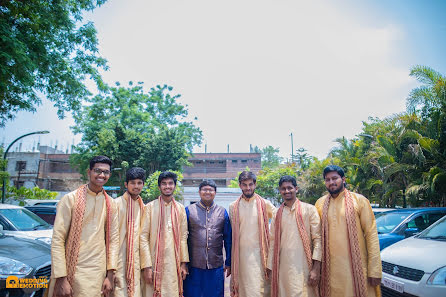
32, 202
416, 265
18, 221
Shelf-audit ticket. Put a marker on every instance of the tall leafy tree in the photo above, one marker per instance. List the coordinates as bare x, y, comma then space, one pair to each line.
149, 130
45, 47
270, 157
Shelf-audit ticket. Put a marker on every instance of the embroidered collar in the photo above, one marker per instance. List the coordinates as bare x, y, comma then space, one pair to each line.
201, 204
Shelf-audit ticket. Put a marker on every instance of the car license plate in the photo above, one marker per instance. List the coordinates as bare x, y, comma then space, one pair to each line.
394, 285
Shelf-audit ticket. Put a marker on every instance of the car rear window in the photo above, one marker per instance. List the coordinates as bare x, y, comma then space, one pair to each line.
386, 222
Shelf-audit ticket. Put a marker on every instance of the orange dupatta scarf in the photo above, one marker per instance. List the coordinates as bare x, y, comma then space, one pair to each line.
130, 264
277, 237
359, 281
263, 240
161, 243
74, 235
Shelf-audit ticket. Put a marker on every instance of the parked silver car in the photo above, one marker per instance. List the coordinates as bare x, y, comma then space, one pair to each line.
18, 221
416, 266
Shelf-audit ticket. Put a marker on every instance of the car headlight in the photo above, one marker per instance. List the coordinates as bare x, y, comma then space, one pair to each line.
10, 266
438, 277
46, 240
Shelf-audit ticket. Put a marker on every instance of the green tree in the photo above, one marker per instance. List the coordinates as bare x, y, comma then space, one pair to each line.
3, 166
429, 102
151, 190
302, 158
268, 181
23, 193
270, 157
148, 130
45, 47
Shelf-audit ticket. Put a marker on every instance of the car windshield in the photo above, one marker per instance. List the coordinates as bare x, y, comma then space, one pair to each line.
437, 232
24, 220
387, 221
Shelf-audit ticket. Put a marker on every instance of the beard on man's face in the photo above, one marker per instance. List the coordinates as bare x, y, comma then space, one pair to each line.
248, 194
336, 191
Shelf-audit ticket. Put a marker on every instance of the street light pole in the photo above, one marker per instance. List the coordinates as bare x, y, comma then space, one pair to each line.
292, 148
6, 152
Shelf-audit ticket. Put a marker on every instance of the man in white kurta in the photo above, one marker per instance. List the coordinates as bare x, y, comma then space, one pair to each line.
251, 276
92, 262
294, 273
148, 241
135, 178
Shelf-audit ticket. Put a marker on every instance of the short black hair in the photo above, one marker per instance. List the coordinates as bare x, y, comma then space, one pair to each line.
100, 159
208, 182
135, 173
289, 179
333, 168
167, 174
245, 175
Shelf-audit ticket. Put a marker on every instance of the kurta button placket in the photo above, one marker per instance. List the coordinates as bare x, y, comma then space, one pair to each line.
207, 241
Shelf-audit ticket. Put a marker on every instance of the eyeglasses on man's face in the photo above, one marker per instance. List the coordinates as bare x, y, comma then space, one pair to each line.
99, 171
207, 190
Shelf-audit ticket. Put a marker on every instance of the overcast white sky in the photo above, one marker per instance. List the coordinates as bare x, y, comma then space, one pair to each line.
252, 72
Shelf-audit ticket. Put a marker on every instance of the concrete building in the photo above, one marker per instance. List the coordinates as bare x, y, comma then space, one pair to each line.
57, 174
221, 167
47, 168
23, 168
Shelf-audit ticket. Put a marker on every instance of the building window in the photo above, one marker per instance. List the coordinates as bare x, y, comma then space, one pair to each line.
20, 166
244, 161
221, 162
234, 161
211, 162
19, 183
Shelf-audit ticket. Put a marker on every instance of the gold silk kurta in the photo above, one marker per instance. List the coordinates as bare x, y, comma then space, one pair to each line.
252, 281
341, 281
293, 266
92, 263
121, 211
149, 232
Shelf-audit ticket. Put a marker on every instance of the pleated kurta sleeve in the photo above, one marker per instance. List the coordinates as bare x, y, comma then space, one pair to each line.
368, 225
184, 251
145, 237
61, 227
112, 260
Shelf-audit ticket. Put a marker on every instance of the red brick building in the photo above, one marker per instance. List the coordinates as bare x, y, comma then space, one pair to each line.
221, 167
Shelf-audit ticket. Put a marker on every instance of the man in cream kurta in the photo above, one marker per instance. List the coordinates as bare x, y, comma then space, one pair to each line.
251, 276
341, 282
92, 263
294, 274
135, 178
148, 240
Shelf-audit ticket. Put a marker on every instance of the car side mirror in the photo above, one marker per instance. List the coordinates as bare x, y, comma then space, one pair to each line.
409, 232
